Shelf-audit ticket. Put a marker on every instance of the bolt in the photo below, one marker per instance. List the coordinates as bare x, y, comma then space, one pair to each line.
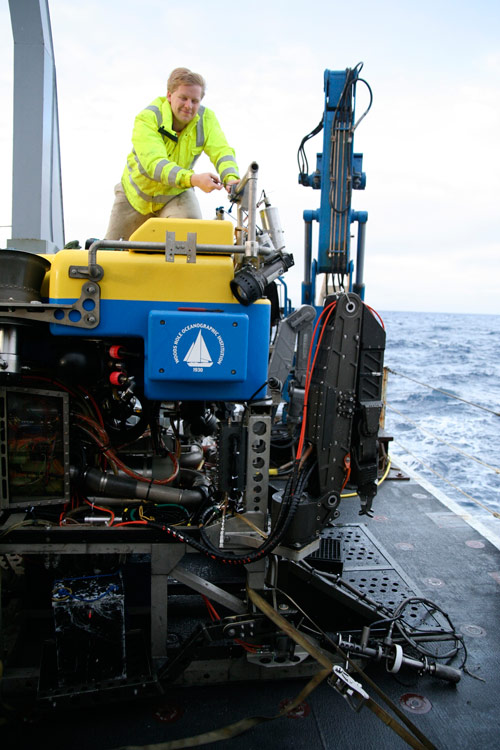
90, 318
90, 289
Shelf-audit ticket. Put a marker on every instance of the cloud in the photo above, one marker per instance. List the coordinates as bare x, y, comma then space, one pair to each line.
430, 142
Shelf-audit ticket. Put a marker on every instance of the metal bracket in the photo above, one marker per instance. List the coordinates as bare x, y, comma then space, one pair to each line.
348, 688
175, 247
83, 313
93, 271
299, 323
206, 588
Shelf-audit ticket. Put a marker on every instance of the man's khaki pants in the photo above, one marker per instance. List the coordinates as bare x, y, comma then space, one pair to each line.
124, 219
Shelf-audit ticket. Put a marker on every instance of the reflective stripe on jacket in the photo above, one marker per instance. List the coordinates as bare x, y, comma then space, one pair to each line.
161, 162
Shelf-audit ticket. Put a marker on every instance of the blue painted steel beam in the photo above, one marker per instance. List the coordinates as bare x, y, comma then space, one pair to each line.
338, 172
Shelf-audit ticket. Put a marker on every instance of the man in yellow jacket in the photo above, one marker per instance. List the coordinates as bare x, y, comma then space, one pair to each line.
168, 137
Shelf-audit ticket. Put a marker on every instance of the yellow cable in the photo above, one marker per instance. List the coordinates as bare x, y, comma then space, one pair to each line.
144, 517
273, 472
382, 479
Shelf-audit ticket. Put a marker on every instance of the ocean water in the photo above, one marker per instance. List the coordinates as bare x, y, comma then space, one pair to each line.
452, 443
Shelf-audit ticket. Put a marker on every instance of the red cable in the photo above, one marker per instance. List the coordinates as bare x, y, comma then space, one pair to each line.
347, 467
106, 510
94, 404
214, 615
309, 370
376, 313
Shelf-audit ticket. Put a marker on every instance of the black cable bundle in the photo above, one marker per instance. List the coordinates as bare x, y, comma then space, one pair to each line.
291, 498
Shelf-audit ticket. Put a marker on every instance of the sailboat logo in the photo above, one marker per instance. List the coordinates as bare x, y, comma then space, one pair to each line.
198, 357
198, 354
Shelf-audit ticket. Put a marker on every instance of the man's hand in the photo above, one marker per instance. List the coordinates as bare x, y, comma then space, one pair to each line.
230, 184
206, 181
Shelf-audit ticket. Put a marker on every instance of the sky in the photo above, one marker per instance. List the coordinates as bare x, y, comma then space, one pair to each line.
430, 143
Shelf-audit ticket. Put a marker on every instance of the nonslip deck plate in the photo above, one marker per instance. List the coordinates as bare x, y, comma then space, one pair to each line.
369, 568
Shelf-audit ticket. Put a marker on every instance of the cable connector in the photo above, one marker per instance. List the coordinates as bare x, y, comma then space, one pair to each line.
348, 688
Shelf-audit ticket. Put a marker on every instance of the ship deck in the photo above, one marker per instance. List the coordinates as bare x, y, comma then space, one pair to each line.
420, 546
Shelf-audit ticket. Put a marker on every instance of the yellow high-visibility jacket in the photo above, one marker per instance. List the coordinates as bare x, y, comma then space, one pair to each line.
161, 162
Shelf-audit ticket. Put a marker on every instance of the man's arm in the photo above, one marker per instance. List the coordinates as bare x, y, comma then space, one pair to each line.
219, 151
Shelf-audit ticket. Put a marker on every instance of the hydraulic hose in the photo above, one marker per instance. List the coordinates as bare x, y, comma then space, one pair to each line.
126, 487
292, 496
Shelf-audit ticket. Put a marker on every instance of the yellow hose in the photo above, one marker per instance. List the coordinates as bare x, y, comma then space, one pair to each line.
382, 479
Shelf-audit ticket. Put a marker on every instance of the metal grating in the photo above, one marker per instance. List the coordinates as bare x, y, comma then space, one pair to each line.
384, 586
370, 569
358, 550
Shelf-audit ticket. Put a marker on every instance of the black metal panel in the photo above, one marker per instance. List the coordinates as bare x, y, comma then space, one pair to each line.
232, 457
364, 453
331, 396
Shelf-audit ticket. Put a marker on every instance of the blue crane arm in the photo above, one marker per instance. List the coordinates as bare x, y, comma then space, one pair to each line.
338, 172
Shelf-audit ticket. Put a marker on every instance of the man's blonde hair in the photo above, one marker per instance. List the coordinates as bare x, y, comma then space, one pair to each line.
185, 76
